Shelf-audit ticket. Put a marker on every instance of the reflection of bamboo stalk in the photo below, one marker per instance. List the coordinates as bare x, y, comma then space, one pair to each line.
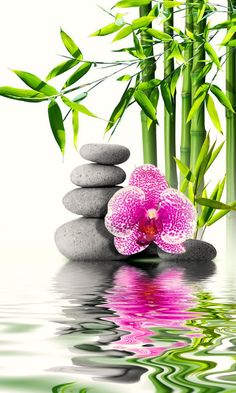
198, 132
169, 119
186, 92
231, 117
148, 72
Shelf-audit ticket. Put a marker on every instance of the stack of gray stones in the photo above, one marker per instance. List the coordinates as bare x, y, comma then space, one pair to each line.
87, 238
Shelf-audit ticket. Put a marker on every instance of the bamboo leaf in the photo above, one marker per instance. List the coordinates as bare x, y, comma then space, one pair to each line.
80, 97
206, 69
207, 211
232, 43
185, 171
160, 35
149, 85
191, 193
221, 96
225, 24
132, 3
76, 106
212, 54
196, 104
61, 68
144, 21
36, 83
78, 74
22, 94
219, 215
167, 98
70, 45
215, 204
202, 89
201, 12
171, 4
138, 47
125, 77
120, 107
213, 113
145, 104
75, 123
174, 80
106, 30
203, 153
155, 11
127, 30
215, 154
154, 96
56, 123
229, 35
176, 52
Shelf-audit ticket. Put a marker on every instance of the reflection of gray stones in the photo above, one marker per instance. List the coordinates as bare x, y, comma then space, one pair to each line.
196, 250
87, 238
105, 154
89, 202
97, 175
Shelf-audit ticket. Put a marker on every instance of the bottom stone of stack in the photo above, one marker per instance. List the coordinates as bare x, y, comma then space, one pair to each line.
86, 239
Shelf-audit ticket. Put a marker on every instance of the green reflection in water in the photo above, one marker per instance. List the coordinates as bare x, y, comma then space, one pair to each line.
206, 363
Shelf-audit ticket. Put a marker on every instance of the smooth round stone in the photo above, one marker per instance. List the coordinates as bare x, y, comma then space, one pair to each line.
196, 250
86, 239
103, 153
89, 202
97, 175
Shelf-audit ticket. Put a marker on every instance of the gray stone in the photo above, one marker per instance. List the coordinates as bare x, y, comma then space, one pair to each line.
105, 153
97, 175
196, 250
86, 239
89, 202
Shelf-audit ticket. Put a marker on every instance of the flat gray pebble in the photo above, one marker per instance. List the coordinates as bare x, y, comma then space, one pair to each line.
103, 153
97, 175
86, 239
196, 250
89, 202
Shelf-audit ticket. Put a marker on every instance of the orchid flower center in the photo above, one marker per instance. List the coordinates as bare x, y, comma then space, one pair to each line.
148, 226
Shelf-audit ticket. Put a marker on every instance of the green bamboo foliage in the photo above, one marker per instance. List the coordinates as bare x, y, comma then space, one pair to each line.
230, 116
197, 132
148, 67
187, 90
169, 115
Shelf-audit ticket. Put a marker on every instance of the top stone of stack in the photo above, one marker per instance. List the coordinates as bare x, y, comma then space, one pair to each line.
107, 154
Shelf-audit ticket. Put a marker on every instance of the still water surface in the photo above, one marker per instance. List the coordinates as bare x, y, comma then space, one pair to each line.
115, 327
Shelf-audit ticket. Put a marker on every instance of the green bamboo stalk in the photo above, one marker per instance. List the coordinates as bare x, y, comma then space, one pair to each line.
231, 117
186, 92
197, 132
169, 119
148, 72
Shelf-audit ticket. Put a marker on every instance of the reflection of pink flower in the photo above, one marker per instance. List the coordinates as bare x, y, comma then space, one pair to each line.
147, 210
142, 303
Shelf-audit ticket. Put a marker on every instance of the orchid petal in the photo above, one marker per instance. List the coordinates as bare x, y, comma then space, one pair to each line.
178, 217
128, 245
167, 247
124, 210
149, 179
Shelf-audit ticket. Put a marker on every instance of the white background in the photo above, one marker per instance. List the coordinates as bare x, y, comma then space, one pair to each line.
33, 177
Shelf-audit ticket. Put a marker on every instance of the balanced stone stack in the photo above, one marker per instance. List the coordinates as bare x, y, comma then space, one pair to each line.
87, 238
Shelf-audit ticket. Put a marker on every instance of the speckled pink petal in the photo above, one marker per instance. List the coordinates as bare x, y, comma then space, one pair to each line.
167, 247
178, 217
149, 179
128, 245
124, 210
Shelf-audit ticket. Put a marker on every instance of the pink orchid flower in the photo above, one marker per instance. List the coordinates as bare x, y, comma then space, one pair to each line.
149, 211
